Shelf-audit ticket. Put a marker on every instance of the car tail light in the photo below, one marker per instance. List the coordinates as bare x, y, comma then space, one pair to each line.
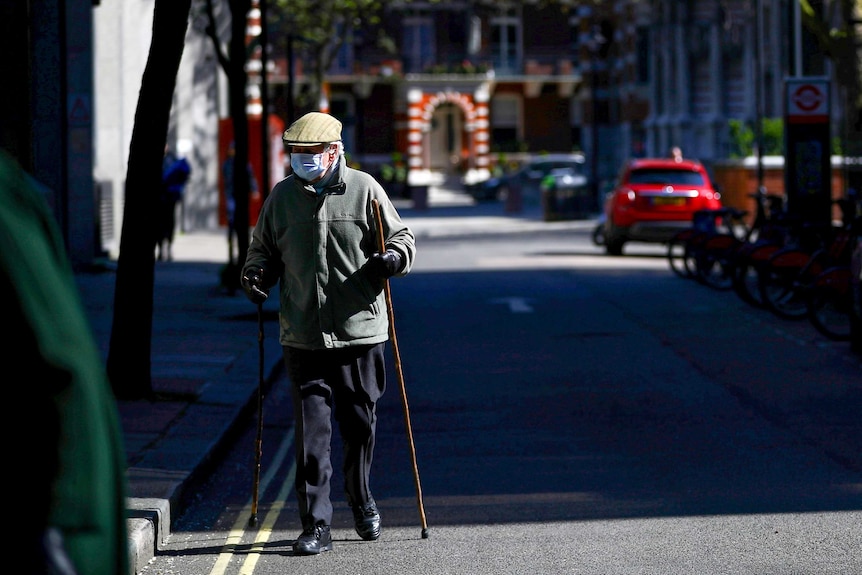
626, 196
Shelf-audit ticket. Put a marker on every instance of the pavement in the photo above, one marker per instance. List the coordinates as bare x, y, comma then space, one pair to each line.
205, 358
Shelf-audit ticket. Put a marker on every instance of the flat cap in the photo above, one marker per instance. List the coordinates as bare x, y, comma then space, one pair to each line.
312, 129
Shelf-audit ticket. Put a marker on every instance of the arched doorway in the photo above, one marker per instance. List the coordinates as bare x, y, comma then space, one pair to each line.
446, 133
445, 140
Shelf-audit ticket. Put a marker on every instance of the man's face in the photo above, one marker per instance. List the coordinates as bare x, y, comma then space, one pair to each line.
328, 150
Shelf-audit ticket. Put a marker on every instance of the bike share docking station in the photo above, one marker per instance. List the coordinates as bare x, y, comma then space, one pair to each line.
807, 165
807, 150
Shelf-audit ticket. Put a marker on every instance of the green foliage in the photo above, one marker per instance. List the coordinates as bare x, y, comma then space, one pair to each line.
773, 136
743, 139
396, 172
499, 167
318, 30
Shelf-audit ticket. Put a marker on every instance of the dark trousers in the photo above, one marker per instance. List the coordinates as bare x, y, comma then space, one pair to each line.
346, 383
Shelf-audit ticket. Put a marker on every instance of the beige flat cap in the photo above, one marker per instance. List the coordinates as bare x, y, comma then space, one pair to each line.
312, 129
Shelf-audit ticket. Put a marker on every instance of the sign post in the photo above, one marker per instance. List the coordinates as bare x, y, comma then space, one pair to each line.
807, 164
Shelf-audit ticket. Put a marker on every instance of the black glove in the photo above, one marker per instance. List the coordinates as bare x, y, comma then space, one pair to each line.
385, 264
252, 283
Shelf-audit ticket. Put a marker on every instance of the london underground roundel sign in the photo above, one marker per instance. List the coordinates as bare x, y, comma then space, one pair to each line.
807, 100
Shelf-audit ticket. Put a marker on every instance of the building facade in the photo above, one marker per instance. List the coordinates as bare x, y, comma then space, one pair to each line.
475, 83
48, 106
472, 86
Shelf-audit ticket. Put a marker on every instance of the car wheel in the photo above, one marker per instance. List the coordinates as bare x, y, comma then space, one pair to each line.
614, 239
614, 246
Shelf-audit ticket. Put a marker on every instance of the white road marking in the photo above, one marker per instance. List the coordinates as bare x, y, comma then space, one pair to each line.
516, 304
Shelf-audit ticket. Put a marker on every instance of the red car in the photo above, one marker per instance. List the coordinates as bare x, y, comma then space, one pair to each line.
653, 199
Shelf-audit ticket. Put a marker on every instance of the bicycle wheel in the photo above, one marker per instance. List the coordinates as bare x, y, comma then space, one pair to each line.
781, 293
830, 304
712, 271
676, 252
693, 249
713, 261
745, 283
747, 261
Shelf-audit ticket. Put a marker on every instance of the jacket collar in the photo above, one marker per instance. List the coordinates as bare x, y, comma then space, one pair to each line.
335, 185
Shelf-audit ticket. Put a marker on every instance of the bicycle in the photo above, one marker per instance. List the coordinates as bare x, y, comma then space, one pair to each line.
829, 300
786, 275
770, 230
829, 303
713, 254
681, 248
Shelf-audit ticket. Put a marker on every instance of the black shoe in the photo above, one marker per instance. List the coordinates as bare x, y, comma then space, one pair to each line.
367, 520
313, 541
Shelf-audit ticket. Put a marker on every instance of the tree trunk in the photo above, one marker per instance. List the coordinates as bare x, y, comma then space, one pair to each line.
129, 362
237, 80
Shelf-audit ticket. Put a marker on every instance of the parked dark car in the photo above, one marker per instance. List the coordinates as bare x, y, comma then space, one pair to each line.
654, 198
528, 177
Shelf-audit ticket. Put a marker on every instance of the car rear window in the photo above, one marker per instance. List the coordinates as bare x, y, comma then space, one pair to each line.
665, 176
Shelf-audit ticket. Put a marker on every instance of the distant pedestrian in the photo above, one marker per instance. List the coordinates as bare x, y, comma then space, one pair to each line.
317, 237
676, 153
68, 486
230, 199
175, 175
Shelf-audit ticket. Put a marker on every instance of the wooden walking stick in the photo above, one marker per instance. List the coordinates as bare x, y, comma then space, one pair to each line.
381, 244
252, 521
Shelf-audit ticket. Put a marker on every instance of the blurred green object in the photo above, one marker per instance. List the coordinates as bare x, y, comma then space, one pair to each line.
68, 453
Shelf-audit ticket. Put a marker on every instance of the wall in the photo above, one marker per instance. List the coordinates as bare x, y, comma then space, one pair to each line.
737, 179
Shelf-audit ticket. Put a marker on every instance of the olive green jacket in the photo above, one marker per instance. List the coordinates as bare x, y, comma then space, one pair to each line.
317, 247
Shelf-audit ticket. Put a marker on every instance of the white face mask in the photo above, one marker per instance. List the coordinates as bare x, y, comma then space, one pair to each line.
309, 167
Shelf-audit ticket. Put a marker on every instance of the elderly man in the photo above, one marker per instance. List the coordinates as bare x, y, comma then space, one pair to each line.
316, 236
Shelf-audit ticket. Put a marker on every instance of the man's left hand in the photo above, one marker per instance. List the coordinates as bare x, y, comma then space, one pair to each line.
385, 264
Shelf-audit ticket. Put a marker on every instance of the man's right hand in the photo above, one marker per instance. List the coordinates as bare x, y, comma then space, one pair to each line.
252, 284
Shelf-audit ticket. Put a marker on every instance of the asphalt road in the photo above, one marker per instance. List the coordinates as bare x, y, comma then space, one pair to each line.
572, 413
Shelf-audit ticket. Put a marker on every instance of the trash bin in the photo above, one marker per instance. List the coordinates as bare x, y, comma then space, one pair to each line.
566, 196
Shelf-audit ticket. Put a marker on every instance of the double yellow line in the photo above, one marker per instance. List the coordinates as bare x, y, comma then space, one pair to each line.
240, 526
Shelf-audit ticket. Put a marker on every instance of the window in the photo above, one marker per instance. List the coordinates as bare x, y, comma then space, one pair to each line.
419, 47
505, 122
662, 176
506, 41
